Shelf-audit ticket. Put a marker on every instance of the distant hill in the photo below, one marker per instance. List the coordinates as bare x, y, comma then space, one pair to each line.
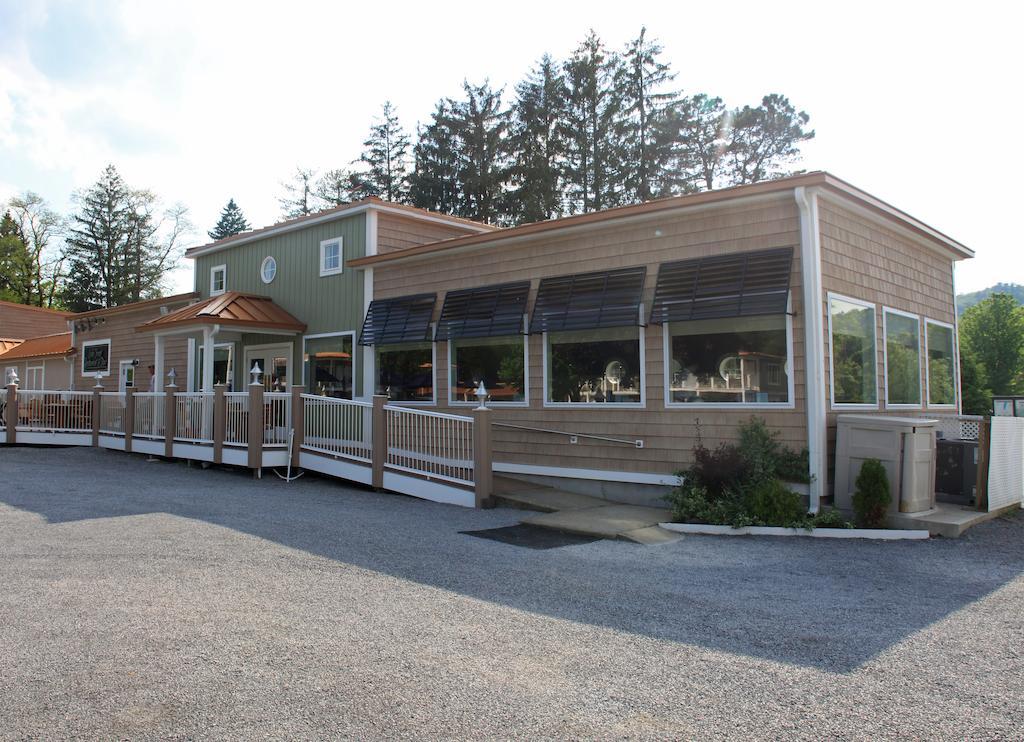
965, 301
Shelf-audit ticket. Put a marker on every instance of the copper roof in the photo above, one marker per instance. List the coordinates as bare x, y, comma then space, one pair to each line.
526, 231
340, 211
46, 345
231, 309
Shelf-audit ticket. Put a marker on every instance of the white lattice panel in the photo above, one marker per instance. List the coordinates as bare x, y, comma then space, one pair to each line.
1006, 463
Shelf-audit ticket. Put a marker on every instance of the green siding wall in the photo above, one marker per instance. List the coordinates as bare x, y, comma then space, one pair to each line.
326, 304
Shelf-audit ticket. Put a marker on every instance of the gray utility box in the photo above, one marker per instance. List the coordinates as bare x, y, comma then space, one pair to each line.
906, 448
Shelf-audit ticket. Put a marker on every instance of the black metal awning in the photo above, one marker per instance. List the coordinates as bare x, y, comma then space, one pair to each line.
487, 311
741, 285
588, 301
404, 319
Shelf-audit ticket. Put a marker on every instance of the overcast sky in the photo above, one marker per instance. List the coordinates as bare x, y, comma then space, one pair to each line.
917, 103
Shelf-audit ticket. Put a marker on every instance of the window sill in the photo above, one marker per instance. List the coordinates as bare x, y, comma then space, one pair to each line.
904, 406
941, 407
331, 272
595, 405
730, 405
502, 405
851, 406
218, 293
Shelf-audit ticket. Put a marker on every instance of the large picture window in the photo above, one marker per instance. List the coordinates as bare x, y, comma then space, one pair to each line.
595, 366
405, 373
729, 361
500, 363
902, 359
854, 355
329, 365
941, 364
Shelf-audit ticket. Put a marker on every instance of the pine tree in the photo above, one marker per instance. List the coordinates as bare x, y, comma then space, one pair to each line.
336, 188
765, 140
648, 111
592, 127
538, 145
298, 199
702, 140
119, 249
386, 157
434, 181
232, 221
480, 126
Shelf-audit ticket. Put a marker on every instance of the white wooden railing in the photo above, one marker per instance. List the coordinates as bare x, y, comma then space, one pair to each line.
340, 427
112, 411
193, 417
62, 412
429, 443
236, 430
148, 421
277, 418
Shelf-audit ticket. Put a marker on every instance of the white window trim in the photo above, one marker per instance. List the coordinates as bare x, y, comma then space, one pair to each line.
928, 370
433, 375
263, 266
504, 405
791, 380
885, 359
642, 404
351, 334
42, 375
95, 374
831, 355
341, 256
213, 270
231, 362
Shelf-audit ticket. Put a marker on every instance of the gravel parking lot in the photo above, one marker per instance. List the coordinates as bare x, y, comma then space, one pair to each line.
148, 599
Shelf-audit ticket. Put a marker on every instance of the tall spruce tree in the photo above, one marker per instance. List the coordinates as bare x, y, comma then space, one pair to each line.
765, 140
119, 248
538, 145
232, 221
299, 199
592, 127
434, 184
649, 121
386, 156
480, 126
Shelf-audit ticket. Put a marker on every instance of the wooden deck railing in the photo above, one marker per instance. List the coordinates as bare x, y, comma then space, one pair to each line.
419, 452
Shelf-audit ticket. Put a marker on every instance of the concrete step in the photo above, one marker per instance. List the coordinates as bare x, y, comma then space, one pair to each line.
631, 522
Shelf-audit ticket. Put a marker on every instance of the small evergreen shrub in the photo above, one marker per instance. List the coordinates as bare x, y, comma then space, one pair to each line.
872, 497
772, 503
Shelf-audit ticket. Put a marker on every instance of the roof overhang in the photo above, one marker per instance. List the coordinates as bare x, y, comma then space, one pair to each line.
340, 212
826, 184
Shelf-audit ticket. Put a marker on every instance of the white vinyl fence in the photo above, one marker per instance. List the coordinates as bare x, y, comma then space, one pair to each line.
339, 427
430, 443
1006, 463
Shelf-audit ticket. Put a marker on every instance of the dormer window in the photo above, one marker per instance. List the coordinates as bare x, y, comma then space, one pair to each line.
218, 279
331, 256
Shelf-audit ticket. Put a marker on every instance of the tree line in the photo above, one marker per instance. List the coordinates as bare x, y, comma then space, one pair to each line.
598, 129
116, 248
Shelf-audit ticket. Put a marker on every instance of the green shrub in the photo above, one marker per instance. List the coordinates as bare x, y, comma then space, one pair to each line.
772, 503
871, 498
831, 518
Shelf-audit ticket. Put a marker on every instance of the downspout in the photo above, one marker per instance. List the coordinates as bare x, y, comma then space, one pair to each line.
814, 343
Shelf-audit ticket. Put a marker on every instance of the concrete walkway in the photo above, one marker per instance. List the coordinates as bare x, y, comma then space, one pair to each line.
589, 516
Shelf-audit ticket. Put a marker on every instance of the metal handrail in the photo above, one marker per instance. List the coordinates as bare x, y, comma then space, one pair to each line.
573, 437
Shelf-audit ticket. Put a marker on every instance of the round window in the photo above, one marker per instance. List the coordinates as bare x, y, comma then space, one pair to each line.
269, 269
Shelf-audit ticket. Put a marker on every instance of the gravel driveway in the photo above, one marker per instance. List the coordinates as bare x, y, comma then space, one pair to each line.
148, 599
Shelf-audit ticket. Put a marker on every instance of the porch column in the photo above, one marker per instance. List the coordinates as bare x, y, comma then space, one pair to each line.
169, 421
256, 426
97, 400
12, 414
219, 422
129, 418
159, 342
208, 336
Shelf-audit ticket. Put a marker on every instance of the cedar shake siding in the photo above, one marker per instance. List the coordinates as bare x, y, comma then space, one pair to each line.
119, 326
396, 232
21, 322
668, 434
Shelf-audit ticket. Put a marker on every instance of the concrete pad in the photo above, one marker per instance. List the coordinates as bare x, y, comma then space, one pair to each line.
548, 500
946, 520
609, 521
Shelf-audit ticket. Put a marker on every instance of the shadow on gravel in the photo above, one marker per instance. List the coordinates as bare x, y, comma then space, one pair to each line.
826, 604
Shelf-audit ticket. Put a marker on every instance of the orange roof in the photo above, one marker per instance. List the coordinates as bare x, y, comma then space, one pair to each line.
232, 309
526, 231
46, 345
355, 206
146, 304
